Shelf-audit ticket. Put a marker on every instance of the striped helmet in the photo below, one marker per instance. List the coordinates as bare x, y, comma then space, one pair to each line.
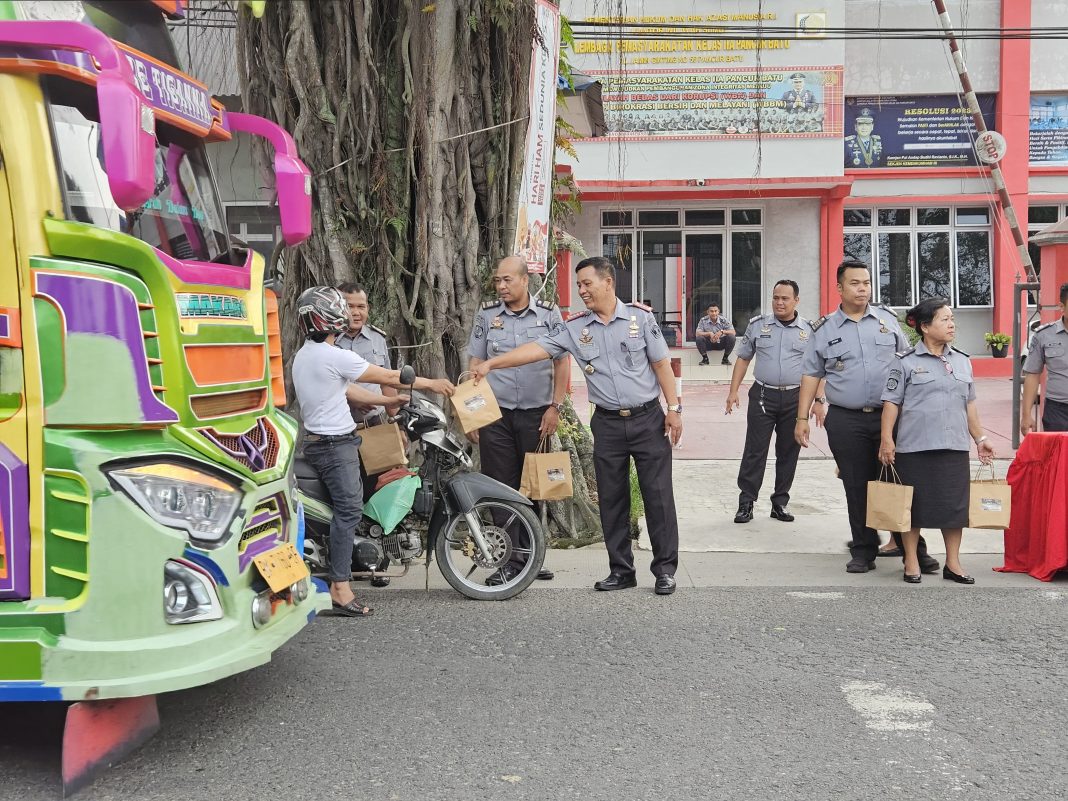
322, 309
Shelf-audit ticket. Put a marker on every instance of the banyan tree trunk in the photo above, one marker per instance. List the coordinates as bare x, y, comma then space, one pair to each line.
411, 117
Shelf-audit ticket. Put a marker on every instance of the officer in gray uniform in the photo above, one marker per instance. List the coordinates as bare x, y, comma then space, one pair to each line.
1049, 349
622, 352
365, 340
852, 348
529, 396
778, 342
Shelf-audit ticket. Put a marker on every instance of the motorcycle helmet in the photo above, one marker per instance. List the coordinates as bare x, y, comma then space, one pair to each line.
322, 310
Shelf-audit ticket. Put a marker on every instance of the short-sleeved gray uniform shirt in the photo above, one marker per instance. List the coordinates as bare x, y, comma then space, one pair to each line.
933, 393
616, 356
499, 330
854, 355
721, 324
779, 348
1049, 349
370, 343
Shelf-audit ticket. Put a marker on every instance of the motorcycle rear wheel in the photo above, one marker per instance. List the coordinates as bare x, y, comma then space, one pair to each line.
499, 519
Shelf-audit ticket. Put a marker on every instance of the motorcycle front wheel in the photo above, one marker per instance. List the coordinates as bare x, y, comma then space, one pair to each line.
516, 543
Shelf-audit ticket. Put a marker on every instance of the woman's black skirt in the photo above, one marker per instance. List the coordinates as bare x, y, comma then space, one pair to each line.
940, 484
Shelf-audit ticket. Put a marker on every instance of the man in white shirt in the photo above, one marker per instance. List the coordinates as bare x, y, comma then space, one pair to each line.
322, 379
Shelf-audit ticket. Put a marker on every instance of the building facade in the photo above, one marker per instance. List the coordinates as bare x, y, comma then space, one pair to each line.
746, 145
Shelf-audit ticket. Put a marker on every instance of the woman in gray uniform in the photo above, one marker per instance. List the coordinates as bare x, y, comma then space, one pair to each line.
928, 415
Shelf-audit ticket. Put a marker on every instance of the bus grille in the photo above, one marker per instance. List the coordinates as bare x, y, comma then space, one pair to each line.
256, 449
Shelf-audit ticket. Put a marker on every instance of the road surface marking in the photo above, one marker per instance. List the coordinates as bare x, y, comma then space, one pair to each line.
887, 708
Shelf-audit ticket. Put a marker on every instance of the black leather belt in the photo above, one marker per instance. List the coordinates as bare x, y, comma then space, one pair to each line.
630, 412
865, 409
310, 437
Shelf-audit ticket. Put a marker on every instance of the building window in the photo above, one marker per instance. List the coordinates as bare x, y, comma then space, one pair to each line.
255, 225
1038, 219
924, 252
617, 219
658, 219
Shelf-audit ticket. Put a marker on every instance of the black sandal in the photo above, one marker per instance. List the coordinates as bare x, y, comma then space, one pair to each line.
352, 609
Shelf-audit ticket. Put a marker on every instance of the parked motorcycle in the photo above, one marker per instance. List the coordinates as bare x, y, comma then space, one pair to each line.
473, 524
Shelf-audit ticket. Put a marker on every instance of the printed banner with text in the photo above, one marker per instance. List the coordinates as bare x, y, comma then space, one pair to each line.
915, 131
1049, 130
532, 235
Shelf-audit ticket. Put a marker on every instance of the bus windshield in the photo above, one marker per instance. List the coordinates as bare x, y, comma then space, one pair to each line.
184, 217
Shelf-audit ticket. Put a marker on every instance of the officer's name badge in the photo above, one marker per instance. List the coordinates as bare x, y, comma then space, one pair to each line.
497, 322
585, 339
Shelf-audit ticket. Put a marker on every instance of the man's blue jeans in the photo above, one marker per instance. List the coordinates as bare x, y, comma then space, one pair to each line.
337, 461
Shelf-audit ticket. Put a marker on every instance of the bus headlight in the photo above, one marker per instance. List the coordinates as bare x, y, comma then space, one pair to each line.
189, 596
181, 497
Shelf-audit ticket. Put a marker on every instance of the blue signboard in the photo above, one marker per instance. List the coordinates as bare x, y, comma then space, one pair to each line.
914, 131
1048, 140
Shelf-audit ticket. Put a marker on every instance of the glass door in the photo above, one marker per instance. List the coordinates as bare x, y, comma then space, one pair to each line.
745, 278
704, 278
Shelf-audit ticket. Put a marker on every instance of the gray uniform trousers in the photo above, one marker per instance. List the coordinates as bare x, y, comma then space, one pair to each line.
615, 440
770, 410
502, 447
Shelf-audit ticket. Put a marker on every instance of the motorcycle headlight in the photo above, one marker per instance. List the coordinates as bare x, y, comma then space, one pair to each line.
181, 497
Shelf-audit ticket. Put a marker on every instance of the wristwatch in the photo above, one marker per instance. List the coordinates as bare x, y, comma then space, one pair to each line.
675, 407
555, 405
820, 399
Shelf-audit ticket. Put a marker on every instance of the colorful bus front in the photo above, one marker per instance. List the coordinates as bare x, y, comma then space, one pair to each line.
147, 509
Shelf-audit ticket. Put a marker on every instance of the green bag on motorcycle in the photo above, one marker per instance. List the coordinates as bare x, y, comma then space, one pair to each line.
393, 502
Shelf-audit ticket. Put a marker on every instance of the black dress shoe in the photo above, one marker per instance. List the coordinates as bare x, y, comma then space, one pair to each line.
858, 564
665, 584
546, 575
929, 565
745, 513
725, 360
780, 513
616, 581
913, 579
949, 575
703, 362
502, 576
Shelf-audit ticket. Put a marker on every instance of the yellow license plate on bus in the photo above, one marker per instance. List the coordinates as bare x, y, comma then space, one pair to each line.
281, 567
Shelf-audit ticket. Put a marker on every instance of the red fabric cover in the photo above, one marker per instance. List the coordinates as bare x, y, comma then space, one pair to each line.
392, 475
1036, 541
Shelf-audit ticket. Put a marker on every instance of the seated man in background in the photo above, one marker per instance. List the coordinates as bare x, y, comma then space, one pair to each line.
715, 332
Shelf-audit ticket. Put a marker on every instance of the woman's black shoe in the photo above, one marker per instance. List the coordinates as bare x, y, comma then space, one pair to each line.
913, 579
949, 575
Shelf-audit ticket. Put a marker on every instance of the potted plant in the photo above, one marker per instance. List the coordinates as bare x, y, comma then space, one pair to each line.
998, 343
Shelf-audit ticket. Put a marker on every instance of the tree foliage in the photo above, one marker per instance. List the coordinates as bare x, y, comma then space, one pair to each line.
411, 118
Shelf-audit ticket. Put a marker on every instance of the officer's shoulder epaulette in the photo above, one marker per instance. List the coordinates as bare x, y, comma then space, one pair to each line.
545, 304
489, 304
816, 324
904, 353
884, 307
962, 353
375, 328
1044, 327
578, 315
755, 317
641, 306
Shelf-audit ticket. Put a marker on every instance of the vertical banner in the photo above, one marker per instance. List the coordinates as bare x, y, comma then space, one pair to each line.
532, 235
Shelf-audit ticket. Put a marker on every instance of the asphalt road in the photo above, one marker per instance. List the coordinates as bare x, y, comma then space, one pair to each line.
720, 692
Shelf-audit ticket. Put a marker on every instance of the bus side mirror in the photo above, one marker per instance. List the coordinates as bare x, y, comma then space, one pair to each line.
127, 123
292, 178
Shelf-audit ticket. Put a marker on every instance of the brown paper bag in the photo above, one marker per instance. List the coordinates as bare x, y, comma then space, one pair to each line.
889, 503
382, 448
989, 502
475, 406
546, 476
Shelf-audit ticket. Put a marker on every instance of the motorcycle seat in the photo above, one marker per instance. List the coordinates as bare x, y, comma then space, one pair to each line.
308, 480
